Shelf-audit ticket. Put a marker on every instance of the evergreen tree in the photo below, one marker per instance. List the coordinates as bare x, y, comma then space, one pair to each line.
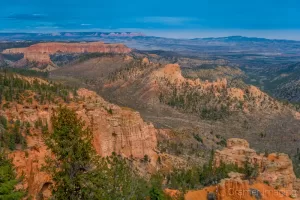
71, 144
115, 179
80, 174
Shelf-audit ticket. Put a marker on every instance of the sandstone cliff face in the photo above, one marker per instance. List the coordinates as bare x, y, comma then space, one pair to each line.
115, 129
41, 52
29, 164
275, 169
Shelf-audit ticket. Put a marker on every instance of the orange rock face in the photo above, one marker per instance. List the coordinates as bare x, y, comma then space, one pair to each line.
41, 52
171, 72
29, 164
276, 169
115, 129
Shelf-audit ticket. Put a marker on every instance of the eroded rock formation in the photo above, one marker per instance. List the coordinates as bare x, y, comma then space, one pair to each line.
276, 169
117, 129
276, 180
29, 164
237, 189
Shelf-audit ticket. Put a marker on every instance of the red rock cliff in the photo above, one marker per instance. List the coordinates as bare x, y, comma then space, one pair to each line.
115, 129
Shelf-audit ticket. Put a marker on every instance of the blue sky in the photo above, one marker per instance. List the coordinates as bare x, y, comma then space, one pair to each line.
169, 18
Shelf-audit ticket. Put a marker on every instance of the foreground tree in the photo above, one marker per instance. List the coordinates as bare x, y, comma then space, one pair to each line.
79, 174
71, 144
115, 179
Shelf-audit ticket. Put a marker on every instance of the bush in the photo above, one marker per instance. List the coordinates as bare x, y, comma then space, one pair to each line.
12, 136
198, 138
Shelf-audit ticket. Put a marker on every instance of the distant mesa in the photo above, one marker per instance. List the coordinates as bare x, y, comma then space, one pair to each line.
41, 52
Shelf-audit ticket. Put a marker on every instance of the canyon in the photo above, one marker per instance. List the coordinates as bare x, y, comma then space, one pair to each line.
151, 99
164, 96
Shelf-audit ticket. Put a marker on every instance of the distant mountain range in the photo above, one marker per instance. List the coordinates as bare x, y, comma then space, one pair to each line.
97, 35
238, 38
65, 36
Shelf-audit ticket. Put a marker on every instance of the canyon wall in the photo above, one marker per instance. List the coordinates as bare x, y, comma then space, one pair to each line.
115, 129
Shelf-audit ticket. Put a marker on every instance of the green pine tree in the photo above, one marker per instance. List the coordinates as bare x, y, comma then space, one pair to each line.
79, 174
71, 144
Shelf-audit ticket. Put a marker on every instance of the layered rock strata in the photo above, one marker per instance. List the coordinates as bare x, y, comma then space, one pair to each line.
41, 52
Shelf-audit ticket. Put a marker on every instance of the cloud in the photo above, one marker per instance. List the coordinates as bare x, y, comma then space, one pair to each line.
167, 20
35, 16
85, 24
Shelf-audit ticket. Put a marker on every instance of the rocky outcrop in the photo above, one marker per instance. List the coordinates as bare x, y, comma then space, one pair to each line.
41, 52
115, 129
276, 169
276, 180
170, 72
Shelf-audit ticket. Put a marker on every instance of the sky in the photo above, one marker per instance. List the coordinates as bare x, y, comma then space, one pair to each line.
168, 18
